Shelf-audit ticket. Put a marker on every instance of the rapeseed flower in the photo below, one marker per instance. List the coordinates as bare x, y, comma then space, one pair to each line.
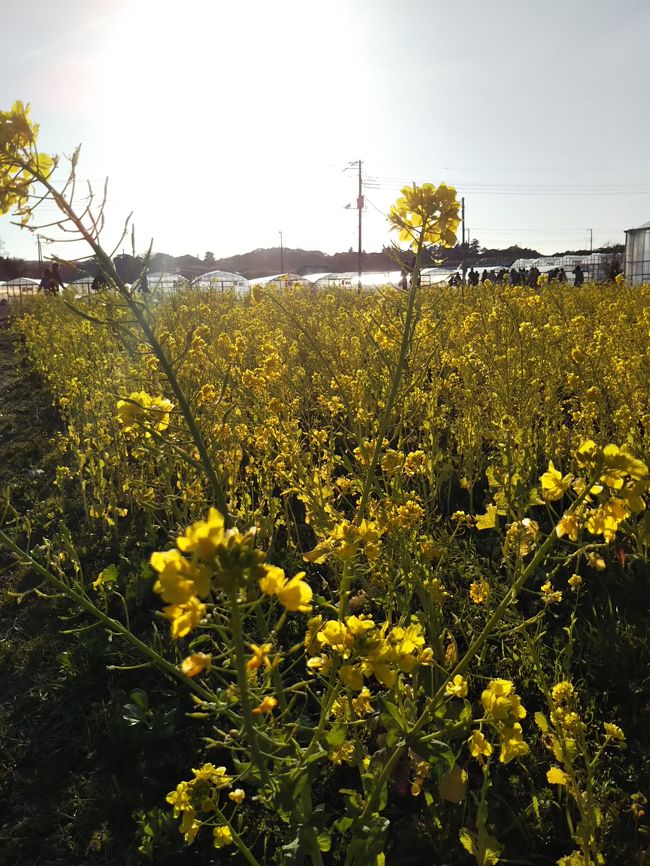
196, 664
479, 746
222, 836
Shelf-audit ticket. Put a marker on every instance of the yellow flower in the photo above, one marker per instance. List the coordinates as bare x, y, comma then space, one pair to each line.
216, 776
549, 595
222, 836
319, 665
267, 706
478, 745
128, 411
195, 664
344, 754
562, 692
203, 537
352, 677
574, 581
512, 743
479, 591
556, 776
273, 580
457, 687
426, 212
554, 485
296, 594
260, 656
333, 634
574, 859
237, 796
606, 519
500, 701
184, 617
613, 732
596, 561
179, 579
361, 705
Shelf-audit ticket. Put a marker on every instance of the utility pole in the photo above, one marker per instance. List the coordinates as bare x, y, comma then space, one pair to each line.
360, 203
591, 240
462, 205
281, 254
40, 255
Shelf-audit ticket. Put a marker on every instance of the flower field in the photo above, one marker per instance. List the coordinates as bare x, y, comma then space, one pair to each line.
340, 578
405, 615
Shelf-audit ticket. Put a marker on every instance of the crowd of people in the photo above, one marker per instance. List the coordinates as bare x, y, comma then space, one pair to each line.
528, 276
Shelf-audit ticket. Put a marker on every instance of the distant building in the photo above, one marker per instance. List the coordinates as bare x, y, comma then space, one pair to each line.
637, 254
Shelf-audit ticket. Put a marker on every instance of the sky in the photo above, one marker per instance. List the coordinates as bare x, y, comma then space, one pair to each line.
222, 124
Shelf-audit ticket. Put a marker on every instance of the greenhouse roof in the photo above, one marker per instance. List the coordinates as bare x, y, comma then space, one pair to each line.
221, 276
292, 278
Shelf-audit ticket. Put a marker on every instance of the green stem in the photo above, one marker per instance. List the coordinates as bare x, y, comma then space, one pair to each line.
242, 682
110, 623
397, 377
237, 839
137, 310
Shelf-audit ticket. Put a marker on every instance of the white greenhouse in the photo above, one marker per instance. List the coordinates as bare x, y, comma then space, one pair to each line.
637, 254
165, 280
280, 281
223, 280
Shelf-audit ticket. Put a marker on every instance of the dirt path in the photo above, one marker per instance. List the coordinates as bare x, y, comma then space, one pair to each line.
26, 419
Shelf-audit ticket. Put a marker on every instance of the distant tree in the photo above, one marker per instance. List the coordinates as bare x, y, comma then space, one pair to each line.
12, 268
209, 258
474, 248
128, 267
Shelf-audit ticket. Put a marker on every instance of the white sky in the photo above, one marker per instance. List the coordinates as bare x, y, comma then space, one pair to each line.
222, 123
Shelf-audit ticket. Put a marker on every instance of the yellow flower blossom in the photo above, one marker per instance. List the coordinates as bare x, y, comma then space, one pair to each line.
613, 732
457, 688
596, 561
273, 580
184, 617
562, 692
203, 537
479, 591
344, 754
550, 595
568, 525
352, 676
260, 656
556, 776
512, 743
479, 746
237, 796
501, 703
196, 664
296, 594
179, 579
267, 705
554, 484
222, 836
361, 705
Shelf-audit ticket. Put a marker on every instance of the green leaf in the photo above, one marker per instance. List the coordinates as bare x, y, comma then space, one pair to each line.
139, 697
336, 736
391, 717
